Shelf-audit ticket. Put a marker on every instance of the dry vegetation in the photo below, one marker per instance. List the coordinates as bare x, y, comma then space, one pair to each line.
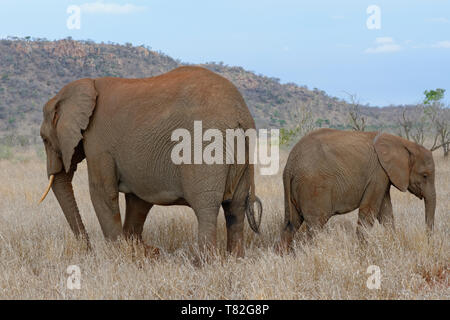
36, 247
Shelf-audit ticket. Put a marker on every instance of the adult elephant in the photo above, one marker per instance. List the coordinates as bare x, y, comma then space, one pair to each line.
123, 128
331, 172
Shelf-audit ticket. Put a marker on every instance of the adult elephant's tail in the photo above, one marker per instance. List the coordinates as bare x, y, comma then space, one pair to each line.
235, 175
250, 203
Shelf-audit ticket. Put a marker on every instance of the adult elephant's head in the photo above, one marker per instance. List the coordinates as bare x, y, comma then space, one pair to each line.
409, 167
66, 116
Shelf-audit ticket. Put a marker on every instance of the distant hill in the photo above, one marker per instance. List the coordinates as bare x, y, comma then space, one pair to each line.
32, 71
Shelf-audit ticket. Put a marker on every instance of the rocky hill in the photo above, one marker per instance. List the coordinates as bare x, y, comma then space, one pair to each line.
32, 71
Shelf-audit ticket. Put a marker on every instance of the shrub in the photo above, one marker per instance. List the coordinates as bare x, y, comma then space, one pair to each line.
5, 152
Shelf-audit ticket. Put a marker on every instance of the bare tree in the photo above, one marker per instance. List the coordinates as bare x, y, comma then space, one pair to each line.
305, 124
428, 120
440, 119
357, 120
413, 124
405, 124
439, 116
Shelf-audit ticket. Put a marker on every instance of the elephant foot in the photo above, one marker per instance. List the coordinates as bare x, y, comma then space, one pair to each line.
139, 248
151, 252
282, 248
235, 249
85, 244
284, 245
205, 256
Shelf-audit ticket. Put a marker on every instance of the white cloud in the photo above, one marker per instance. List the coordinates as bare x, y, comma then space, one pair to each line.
384, 45
109, 8
442, 44
384, 40
438, 20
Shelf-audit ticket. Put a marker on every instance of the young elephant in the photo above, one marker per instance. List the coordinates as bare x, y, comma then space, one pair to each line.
333, 172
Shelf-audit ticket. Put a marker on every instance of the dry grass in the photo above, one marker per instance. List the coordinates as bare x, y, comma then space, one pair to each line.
36, 247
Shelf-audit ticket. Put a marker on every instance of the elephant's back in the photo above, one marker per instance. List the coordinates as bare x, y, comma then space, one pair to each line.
188, 93
207, 96
326, 149
333, 140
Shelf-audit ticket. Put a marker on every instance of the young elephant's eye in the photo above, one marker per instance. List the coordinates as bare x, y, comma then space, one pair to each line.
425, 175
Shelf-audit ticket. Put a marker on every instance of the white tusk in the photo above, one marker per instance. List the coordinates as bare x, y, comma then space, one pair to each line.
50, 182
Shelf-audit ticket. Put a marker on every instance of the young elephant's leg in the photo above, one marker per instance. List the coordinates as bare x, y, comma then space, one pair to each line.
289, 227
369, 208
293, 217
105, 195
316, 206
315, 223
366, 219
385, 215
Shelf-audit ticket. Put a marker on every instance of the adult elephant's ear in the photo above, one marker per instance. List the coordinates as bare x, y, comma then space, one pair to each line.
75, 104
394, 158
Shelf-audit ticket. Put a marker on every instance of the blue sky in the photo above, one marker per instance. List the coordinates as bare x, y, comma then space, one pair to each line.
324, 44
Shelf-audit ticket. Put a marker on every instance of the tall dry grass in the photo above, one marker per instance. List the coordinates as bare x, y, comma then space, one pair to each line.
36, 247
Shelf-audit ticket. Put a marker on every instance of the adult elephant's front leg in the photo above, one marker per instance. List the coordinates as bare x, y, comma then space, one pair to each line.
105, 196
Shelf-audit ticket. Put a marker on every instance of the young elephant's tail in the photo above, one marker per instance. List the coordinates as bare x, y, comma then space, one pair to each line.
250, 204
292, 215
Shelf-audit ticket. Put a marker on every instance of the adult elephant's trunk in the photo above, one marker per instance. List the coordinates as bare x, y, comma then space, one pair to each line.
430, 208
62, 188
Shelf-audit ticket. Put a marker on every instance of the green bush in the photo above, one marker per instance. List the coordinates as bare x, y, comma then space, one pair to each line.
5, 153
40, 152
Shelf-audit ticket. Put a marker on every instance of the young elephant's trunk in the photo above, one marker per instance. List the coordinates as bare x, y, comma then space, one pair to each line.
430, 208
62, 188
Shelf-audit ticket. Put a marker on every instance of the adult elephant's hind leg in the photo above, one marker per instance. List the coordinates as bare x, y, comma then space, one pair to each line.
135, 215
204, 187
234, 218
234, 211
207, 226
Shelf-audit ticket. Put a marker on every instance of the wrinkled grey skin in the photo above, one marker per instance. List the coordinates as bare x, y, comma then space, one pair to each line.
123, 128
331, 172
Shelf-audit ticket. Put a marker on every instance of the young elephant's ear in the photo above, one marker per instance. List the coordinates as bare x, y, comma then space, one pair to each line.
75, 104
394, 158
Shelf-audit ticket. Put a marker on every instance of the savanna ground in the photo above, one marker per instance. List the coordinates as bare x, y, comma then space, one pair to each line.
37, 246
